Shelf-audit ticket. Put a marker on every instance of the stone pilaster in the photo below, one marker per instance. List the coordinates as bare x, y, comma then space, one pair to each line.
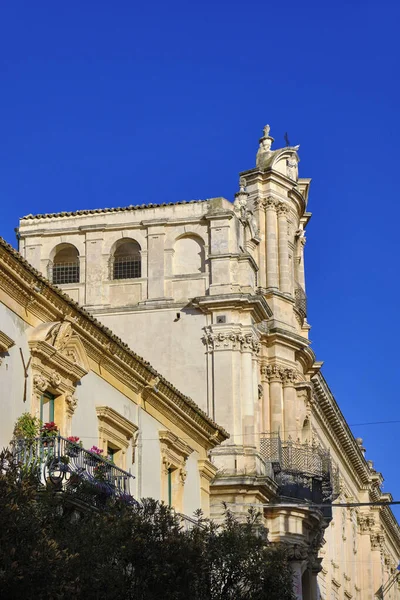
271, 250
289, 403
155, 261
284, 271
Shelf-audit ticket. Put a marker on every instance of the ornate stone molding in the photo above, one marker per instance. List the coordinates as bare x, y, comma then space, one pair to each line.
227, 340
377, 540
270, 203
282, 209
279, 373
366, 523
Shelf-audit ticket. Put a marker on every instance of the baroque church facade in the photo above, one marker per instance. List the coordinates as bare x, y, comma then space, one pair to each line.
212, 293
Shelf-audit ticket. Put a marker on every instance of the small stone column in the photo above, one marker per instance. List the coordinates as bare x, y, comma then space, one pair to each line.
284, 275
271, 243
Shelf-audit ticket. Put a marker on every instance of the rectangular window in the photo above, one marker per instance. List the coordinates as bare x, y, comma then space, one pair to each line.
47, 408
127, 267
111, 452
66, 273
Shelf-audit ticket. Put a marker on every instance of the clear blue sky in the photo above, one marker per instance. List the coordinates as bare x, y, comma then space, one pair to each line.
109, 104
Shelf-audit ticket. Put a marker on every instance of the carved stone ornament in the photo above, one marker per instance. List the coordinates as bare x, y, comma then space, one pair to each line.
282, 209
377, 540
231, 341
55, 379
365, 522
59, 335
40, 383
72, 403
279, 373
296, 552
182, 475
270, 203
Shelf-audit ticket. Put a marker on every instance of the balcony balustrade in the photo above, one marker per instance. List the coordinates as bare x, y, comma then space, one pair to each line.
303, 471
65, 466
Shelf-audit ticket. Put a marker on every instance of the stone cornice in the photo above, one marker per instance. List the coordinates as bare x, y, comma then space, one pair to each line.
41, 299
255, 303
331, 414
5, 342
109, 416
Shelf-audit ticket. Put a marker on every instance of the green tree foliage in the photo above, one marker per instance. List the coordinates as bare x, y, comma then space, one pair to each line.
50, 549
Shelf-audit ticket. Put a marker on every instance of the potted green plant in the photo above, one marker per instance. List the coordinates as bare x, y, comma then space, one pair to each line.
26, 427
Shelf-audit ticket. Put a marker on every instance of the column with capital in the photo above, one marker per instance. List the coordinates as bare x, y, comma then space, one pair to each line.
284, 275
271, 241
274, 373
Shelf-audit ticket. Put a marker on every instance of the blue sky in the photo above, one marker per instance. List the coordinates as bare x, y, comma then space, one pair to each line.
109, 104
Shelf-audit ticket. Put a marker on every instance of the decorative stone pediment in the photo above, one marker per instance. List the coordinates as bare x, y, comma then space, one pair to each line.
57, 344
58, 362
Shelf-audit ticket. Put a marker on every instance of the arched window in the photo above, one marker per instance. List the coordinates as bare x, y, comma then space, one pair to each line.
126, 261
65, 265
189, 255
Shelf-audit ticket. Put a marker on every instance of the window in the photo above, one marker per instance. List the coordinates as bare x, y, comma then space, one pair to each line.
126, 262
174, 454
47, 407
115, 435
65, 266
189, 255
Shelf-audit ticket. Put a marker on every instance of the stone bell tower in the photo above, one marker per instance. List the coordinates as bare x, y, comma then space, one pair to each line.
277, 197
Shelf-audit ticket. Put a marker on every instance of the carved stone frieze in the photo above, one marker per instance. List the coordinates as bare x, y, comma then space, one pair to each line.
279, 373
377, 539
231, 341
366, 523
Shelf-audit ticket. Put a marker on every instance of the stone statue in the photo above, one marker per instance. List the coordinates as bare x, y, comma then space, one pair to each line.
291, 168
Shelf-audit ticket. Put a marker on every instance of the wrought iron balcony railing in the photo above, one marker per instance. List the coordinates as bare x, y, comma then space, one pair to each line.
302, 470
300, 301
66, 466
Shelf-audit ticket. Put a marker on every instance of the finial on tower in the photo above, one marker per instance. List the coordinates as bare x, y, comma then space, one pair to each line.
267, 129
